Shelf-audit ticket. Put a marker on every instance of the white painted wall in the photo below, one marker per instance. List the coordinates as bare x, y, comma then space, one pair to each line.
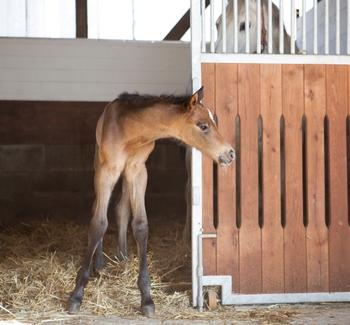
91, 70
37, 18
107, 19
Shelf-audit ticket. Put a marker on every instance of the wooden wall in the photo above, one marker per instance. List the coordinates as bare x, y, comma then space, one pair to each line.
281, 211
46, 163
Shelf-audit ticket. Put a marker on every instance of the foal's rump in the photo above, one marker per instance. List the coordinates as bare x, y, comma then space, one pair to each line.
99, 127
99, 133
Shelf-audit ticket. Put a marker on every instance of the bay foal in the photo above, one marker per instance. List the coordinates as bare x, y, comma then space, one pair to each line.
125, 136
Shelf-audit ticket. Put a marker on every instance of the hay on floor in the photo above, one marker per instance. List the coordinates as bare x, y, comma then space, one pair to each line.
39, 263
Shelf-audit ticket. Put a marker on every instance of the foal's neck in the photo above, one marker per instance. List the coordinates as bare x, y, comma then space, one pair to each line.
164, 121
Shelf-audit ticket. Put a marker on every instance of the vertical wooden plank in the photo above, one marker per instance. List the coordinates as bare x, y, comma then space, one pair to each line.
209, 244
227, 232
250, 232
339, 235
272, 231
294, 230
81, 18
316, 230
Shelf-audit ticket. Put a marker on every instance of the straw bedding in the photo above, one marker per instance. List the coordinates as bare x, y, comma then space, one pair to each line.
39, 262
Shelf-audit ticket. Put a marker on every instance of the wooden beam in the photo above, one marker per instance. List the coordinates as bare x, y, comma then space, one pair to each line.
181, 26
81, 18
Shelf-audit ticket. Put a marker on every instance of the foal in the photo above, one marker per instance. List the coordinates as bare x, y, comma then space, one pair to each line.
125, 136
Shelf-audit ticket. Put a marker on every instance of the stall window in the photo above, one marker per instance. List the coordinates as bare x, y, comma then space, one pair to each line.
37, 18
134, 19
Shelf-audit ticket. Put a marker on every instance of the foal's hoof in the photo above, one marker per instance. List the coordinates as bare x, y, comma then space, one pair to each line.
73, 307
148, 310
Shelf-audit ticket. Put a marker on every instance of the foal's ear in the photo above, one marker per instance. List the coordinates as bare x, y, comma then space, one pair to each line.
196, 98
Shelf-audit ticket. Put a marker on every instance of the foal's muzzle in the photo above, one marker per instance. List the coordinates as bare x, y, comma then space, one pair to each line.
227, 157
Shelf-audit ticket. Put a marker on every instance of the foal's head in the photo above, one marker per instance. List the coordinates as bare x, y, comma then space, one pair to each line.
199, 130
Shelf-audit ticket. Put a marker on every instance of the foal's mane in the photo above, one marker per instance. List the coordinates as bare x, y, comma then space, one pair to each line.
136, 100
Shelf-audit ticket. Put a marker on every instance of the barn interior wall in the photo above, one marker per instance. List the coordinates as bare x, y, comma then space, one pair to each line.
51, 94
46, 163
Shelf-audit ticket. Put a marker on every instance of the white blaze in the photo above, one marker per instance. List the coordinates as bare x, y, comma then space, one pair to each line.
211, 116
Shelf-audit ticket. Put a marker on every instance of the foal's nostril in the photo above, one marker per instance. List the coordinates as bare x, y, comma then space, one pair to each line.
232, 153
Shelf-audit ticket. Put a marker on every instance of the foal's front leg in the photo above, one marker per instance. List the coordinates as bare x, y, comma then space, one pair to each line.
137, 181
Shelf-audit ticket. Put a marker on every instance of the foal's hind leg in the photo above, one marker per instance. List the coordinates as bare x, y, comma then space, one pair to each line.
122, 215
99, 260
105, 179
136, 176
98, 256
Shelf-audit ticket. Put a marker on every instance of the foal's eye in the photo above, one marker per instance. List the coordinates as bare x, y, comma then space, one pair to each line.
203, 126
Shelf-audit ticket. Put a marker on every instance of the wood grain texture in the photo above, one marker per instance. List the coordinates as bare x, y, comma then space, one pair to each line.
339, 235
209, 244
227, 232
272, 231
316, 230
47, 122
297, 257
81, 18
250, 232
294, 231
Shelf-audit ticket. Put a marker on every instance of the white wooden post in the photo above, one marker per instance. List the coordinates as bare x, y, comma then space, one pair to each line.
196, 165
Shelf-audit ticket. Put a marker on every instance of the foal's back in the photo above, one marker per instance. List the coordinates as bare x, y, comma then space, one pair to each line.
133, 120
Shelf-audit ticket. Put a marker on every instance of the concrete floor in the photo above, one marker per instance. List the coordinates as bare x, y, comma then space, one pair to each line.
318, 314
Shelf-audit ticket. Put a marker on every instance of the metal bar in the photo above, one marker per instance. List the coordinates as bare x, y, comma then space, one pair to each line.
212, 28
304, 27
315, 50
204, 48
276, 58
235, 27
348, 27
269, 18
258, 26
223, 26
133, 19
337, 19
200, 268
230, 298
247, 29
292, 24
27, 17
183, 25
281, 28
196, 162
326, 27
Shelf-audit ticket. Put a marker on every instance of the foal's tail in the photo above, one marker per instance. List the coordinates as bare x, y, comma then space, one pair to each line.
96, 156
99, 132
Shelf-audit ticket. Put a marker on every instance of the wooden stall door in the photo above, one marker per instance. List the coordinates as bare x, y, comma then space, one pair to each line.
280, 211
